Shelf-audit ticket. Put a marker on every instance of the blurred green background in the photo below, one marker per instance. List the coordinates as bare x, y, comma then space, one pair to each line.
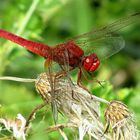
53, 22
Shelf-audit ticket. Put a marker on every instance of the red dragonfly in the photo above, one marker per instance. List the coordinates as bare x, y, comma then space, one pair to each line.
99, 44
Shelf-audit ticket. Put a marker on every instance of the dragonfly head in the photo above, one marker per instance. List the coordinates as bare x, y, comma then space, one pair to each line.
91, 62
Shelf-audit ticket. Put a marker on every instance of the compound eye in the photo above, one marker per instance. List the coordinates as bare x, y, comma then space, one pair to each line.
87, 63
87, 60
91, 62
94, 66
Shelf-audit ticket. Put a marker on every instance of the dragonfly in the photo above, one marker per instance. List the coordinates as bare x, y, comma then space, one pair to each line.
99, 44
84, 52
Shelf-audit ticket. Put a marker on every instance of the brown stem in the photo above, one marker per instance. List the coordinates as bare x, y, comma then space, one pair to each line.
30, 118
60, 126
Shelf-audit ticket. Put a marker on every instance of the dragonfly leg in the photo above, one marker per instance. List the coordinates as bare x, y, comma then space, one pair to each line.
47, 63
63, 73
99, 82
79, 83
80, 74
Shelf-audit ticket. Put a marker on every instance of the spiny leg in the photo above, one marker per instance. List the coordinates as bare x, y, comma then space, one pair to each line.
80, 74
96, 80
65, 73
79, 83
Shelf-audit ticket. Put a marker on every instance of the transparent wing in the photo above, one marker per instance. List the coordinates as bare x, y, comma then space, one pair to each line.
110, 29
104, 47
51, 78
54, 70
106, 38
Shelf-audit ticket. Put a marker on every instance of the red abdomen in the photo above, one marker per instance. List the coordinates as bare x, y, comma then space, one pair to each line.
67, 52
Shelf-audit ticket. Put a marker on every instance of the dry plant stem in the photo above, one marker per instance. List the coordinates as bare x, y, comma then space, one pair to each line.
31, 116
17, 79
63, 134
60, 126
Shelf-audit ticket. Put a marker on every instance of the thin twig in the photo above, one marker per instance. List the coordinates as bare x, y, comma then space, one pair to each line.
17, 79
31, 116
60, 126
63, 134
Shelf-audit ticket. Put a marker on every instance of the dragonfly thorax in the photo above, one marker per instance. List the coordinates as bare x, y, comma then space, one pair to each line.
91, 62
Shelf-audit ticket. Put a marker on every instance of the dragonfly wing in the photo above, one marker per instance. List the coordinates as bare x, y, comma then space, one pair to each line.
54, 110
104, 47
51, 79
109, 29
105, 36
53, 71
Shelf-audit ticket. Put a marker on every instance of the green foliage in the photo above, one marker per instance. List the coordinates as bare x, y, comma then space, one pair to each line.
52, 22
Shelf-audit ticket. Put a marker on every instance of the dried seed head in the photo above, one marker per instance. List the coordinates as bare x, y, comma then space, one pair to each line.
82, 110
116, 112
121, 121
80, 107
